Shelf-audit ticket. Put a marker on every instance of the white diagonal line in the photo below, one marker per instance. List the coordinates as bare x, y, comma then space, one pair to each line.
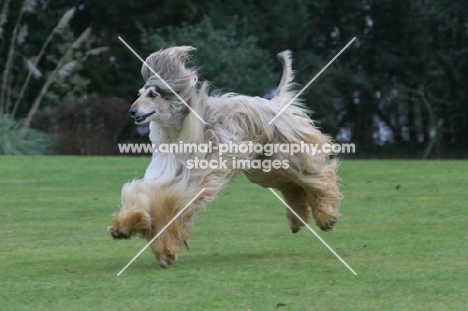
312, 230
316, 76
164, 82
160, 232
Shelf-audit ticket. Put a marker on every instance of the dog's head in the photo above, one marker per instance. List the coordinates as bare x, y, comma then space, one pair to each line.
153, 104
168, 88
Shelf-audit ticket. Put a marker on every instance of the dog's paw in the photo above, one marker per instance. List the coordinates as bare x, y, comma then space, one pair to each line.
117, 234
328, 226
295, 229
326, 218
166, 260
327, 223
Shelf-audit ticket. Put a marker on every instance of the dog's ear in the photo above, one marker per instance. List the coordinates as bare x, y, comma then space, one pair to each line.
182, 52
167, 62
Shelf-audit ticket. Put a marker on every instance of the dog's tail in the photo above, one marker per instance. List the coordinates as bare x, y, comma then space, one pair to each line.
284, 88
286, 93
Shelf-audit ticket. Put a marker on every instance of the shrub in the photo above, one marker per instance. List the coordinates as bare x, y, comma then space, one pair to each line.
15, 139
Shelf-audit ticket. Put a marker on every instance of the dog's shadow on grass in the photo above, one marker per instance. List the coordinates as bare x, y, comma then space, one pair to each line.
216, 261
228, 260
110, 265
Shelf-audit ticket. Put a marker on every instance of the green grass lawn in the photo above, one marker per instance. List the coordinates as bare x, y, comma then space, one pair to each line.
403, 230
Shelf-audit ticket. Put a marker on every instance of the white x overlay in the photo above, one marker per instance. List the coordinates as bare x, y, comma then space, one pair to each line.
312, 230
160, 232
310, 82
279, 197
164, 82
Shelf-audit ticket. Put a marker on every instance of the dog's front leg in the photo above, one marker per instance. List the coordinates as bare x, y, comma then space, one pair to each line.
168, 244
164, 257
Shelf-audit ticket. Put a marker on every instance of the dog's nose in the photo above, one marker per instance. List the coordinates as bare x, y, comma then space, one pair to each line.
132, 111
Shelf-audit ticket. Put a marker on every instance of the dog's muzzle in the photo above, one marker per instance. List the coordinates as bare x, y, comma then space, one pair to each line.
139, 118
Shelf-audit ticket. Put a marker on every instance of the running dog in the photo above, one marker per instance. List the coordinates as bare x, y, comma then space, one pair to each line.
174, 107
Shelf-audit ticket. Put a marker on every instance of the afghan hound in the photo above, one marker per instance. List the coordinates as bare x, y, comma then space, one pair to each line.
308, 182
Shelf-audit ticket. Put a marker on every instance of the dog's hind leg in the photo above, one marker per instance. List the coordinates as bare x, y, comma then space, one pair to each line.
325, 200
294, 195
323, 195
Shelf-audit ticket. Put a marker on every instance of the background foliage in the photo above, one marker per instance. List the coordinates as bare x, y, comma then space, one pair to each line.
397, 90
232, 61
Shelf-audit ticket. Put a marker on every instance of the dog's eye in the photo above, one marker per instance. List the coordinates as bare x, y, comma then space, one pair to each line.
152, 95
138, 94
